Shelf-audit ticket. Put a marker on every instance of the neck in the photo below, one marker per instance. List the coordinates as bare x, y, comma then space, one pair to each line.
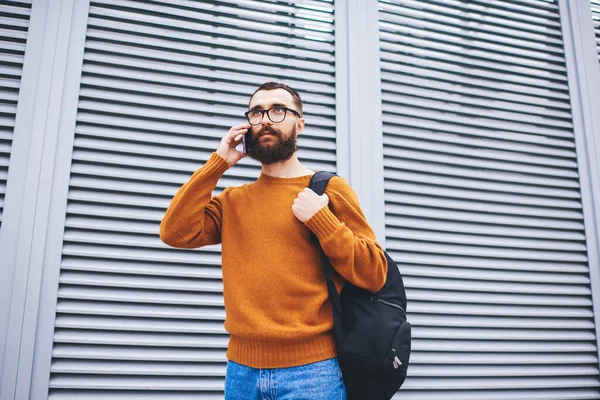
289, 168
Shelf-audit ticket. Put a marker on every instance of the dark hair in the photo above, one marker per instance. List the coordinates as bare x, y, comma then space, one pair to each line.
276, 85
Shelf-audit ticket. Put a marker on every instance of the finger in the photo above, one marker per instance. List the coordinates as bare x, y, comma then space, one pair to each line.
236, 130
243, 127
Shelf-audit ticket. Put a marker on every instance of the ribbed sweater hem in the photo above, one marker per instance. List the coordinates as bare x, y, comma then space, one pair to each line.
281, 354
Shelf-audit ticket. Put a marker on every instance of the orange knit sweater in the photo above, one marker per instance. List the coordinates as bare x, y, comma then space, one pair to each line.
276, 302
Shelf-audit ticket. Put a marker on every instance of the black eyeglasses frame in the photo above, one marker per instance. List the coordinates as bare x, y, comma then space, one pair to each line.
267, 111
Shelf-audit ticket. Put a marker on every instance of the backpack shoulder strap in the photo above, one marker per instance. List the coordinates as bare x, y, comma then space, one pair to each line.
319, 181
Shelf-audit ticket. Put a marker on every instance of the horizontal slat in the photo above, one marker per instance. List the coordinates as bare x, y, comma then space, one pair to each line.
22, 10
137, 368
14, 22
500, 371
14, 35
482, 159
10, 71
483, 358
131, 324
96, 251
430, 212
493, 288
172, 340
468, 322
421, 289
427, 201
148, 283
11, 60
481, 196
473, 346
558, 150
507, 334
79, 306
140, 383
497, 275
71, 394
204, 270
74, 290
406, 257
487, 241
72, 351
500, 383
479, 180
498, 310
484, 252
458, 227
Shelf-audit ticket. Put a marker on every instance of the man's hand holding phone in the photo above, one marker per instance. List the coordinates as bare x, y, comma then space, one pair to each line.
227, 147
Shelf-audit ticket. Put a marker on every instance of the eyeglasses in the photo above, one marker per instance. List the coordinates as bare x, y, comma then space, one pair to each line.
275, 114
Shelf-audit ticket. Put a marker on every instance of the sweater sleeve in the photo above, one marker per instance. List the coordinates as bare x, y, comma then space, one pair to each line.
347, 239
194, 218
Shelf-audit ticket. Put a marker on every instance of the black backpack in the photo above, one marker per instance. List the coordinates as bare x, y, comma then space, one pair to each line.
372, 334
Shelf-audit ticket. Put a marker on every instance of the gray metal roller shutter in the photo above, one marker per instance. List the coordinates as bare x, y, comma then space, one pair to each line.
162, 83
14, 23
482, 200
596, 18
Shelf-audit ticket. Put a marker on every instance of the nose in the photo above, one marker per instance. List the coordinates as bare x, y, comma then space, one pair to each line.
266, 121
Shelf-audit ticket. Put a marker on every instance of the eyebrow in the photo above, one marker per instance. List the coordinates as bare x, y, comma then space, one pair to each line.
258, 107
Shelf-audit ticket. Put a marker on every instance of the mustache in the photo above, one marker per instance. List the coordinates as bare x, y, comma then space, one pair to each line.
271, 131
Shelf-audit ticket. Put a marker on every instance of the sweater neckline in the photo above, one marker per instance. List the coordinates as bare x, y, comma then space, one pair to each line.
276, 180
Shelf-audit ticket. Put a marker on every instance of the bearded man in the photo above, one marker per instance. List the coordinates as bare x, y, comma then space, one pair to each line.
278, 315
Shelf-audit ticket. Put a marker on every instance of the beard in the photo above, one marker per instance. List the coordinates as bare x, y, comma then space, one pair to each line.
281, 149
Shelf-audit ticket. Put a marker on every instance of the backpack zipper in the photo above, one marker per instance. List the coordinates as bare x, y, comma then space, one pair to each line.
391, 305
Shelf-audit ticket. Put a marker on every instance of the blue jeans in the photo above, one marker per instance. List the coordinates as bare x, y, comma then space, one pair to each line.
317, 381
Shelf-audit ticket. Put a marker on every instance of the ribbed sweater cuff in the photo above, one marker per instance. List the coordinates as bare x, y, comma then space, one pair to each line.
323, 223
215, 166
281, 354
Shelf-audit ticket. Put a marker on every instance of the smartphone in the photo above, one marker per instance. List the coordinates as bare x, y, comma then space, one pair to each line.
246, 141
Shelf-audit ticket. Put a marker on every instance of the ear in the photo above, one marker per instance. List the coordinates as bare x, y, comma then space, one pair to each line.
299, 126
